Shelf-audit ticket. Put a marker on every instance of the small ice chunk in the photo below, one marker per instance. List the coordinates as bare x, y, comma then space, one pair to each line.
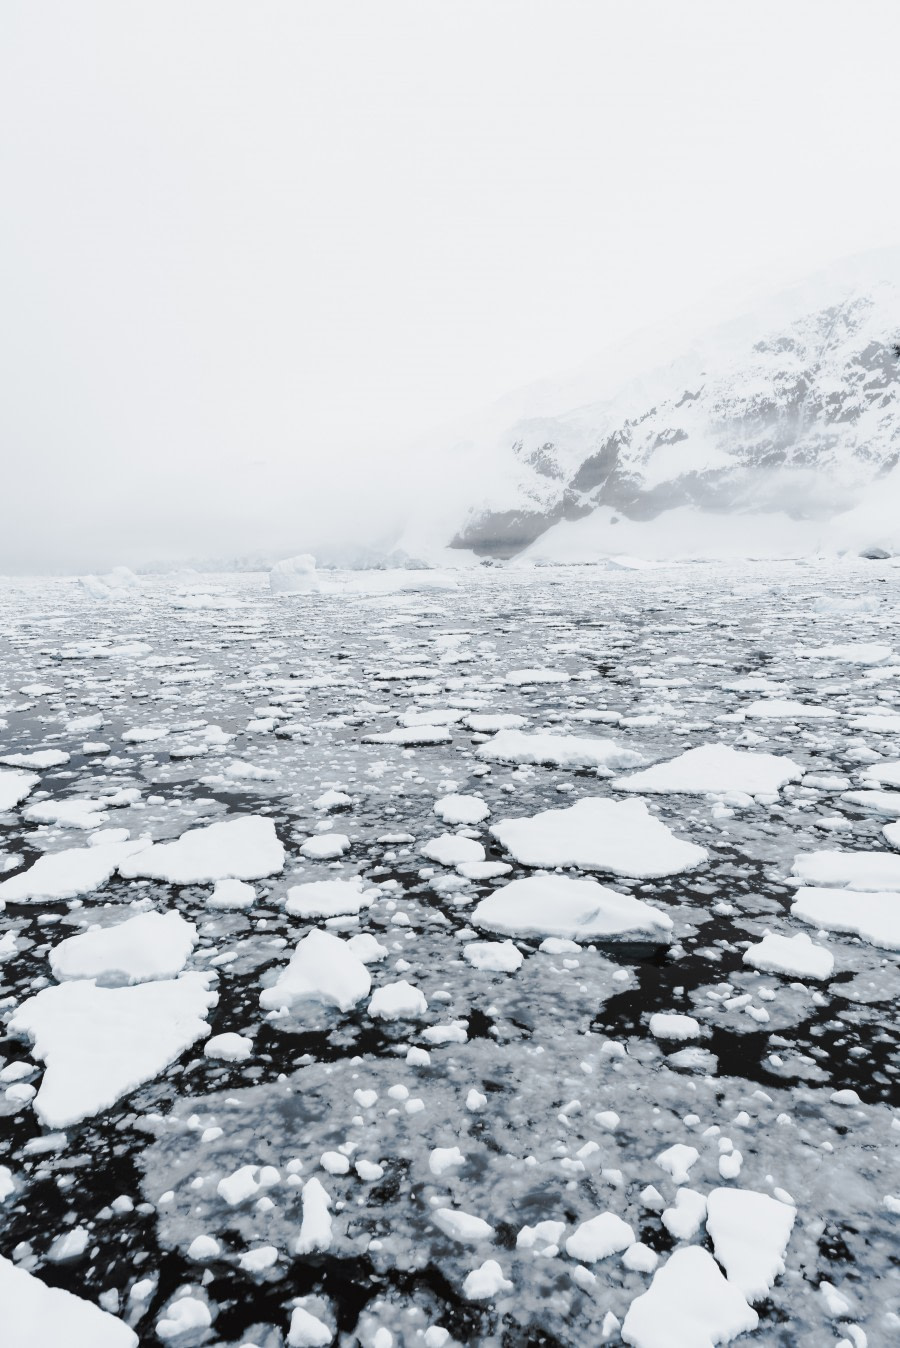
794, 955
232, 894
451, 848
486, 1282
242, 848
677, 1161
148, 946
670, 1025
461, 809
495, 956
557, 905
229, 1046
315, 1228
307, 1330
600, 834
398, 1001
328, 898
599, 1237
323, 969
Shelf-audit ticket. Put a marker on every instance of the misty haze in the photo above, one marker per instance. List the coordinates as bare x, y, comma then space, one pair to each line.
449, 674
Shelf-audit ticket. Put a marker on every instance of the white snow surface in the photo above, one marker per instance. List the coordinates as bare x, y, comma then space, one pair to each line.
69, 873
689, 1304
875, 917
569, 751
14, 787
35, 1315
147, 946
323, 969
855, 870
750, 1232
97, 1044
557, 905
715, 769
242, 848
600, 834
797, 955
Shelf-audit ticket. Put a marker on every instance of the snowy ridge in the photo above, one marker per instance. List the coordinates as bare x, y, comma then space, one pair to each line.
794, 409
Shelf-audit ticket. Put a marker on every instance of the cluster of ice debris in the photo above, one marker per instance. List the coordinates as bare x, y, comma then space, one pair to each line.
511, 965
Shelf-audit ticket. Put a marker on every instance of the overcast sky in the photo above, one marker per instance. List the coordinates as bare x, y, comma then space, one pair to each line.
254, 256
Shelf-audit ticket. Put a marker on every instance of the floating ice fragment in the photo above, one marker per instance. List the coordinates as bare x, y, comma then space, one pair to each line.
715, 768
397, 1001
797, 955
599, 1237
35, 1315
572, 751
750, 1232
599, 834
100, 1043
324, 969
555, 905
241, 848
688, 1303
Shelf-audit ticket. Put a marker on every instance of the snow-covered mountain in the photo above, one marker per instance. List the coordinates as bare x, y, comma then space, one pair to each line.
791, 411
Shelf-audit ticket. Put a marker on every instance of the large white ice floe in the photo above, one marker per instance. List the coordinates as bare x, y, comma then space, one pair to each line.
73, 813
715, 769
98, 1044
40, 759
69, 873
855, 870
750, 1232
852, 653
599, 834
794, 955
148, 946
35, 1315
875, 917
328, 898
689, 1304
883, 774
322, 969
786, 709
14, 787
556, 905
569, 751
243, 848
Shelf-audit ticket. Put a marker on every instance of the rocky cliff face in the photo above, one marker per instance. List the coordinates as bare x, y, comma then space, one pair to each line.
798, 415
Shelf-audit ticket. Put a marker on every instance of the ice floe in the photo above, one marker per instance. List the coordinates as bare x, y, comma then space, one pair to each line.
556, 905
750, 1232
323, 969
795, 955
689, 1304
35, 1315
147, 946
571, 751
98, 1044
244, 848
715, 769
600, 834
